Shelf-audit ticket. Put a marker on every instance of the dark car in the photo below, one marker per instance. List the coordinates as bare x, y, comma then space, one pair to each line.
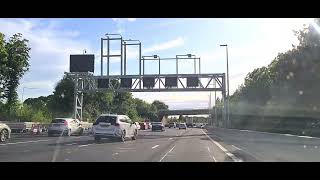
143, 126
172, 125
157, 126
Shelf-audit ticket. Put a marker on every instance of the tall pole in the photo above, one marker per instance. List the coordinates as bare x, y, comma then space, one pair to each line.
228, 86
228, 103
101, 56
215, 103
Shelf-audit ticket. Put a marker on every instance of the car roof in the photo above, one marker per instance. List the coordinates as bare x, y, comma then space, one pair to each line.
114, 115
67, 119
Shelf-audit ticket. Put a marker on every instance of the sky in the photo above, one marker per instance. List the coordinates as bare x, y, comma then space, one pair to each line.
252, 43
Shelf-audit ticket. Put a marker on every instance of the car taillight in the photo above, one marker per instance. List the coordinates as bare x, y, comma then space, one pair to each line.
117, 124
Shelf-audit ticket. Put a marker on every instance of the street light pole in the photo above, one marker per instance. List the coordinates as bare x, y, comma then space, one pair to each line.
228, 102
22, 97
23, 92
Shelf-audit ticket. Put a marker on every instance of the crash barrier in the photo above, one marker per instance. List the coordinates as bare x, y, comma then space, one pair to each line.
19, 127
86, 126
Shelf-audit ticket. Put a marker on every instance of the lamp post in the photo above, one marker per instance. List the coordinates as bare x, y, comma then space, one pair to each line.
23, 92
22, 96
228, 104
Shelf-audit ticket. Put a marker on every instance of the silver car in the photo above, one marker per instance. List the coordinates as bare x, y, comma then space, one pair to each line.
5, 132
114, 127
65, 126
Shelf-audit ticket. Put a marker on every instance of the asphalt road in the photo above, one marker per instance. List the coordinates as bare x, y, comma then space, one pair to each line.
172, 145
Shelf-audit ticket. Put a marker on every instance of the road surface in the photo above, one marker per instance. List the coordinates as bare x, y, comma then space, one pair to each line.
172, 145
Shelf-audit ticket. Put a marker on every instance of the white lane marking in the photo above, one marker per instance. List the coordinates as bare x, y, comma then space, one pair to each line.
304, 146
170, 138
211, 155
69, 152
289, 135
316, 147
124, 148
24, 142
71, 144
167, 153
245, 130
115, 154
236, 147
84, 145
233, 157
306, 137
155, 146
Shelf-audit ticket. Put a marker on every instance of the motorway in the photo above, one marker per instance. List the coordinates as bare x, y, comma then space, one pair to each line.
172, 145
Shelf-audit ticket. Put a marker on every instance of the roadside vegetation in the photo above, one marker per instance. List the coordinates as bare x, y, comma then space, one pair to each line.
14, 63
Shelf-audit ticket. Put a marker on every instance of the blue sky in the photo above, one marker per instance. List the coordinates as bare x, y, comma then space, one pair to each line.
252, 43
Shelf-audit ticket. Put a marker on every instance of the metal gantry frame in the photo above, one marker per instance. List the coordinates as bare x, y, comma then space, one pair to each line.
87, 82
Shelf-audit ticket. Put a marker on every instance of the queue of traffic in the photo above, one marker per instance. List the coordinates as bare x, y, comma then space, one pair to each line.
111, 126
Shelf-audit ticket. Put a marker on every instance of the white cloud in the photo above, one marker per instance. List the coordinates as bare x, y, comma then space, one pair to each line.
166, 45
46, 84
124, 19
50, 50
119, 23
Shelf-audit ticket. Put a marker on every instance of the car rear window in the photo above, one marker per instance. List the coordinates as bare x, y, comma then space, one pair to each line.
58, 121
106, 119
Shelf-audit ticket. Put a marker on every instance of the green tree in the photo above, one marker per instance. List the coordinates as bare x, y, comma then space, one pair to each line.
3, 66
17, 64
160, 105
62, 99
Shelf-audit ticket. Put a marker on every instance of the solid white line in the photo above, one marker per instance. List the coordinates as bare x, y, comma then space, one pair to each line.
84, 145
155, 146
71, 144
233, 157
170, 138
23, 142
236, 147
167, 153
211, 155
306, 137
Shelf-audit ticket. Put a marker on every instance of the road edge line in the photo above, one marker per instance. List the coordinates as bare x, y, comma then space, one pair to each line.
167, 153
232, 156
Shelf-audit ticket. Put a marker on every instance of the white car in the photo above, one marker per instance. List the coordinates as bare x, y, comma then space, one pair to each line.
138, 125
5, 132
114, 127
182, 126
65, 126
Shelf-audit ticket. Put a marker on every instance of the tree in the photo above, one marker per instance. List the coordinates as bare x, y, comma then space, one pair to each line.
160, 105
62, 99
3, 65
17, 64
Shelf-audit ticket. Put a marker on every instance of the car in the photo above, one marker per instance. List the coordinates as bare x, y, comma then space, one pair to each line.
114, 126
5, 132
157, 126
65, 126
138, 125
143, 126
172, 125
149, 125
182, 126
177, 125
